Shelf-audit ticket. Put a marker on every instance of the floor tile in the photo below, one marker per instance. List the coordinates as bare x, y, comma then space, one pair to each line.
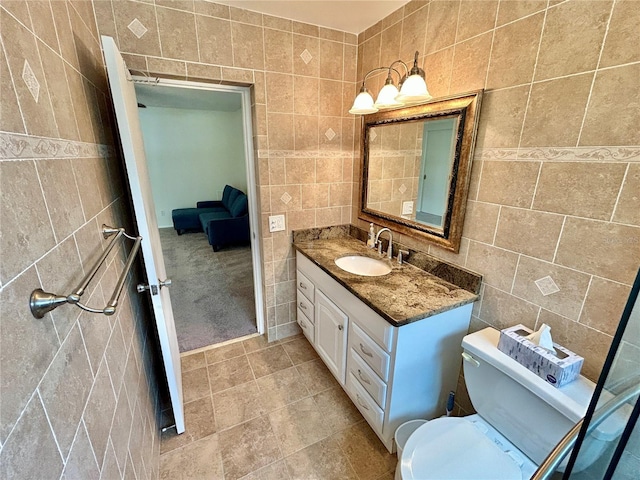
195, 384
321, 461
200, 459
275, 471
224, 353
229, 373
193, 361
256, 343
237, 405
281, 388
268, 361
199, 422
248, 447
316, 377
300, 351
366, 454
337, 409
299, 425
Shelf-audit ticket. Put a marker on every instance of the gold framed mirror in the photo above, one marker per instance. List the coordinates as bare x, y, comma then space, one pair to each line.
416, 167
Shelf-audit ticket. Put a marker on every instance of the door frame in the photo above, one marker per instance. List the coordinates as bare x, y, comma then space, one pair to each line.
250, 167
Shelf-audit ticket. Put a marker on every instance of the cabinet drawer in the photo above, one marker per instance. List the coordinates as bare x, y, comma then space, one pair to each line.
306, 286
370, 352
367, 378
367, 406
305, 306
307, 327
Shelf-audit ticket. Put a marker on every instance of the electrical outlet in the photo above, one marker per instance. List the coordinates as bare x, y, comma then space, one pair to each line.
407, 208
276, 223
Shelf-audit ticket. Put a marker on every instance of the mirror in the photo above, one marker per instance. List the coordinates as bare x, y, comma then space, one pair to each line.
416, 165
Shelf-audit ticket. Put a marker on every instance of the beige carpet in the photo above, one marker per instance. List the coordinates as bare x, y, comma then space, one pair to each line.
211, 292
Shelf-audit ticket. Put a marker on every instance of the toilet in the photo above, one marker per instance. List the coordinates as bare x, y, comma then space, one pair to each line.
520, 420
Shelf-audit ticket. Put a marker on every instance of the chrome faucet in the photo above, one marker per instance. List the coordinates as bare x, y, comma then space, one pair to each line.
379, 243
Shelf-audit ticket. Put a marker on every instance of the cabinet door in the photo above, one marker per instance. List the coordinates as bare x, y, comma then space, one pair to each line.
331, 335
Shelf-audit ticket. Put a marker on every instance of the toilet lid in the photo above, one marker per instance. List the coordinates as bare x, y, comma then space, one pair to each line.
455, 448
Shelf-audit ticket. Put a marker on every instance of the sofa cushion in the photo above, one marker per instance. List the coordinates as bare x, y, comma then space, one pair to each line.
205, 218
233, 194
239, 206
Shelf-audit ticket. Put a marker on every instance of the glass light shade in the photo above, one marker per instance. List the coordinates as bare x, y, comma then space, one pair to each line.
387, 97
363, 104
414, 89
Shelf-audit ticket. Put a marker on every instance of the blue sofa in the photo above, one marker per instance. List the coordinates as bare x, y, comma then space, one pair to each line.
224, 221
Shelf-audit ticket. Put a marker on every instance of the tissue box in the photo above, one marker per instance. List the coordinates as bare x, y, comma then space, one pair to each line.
558, 370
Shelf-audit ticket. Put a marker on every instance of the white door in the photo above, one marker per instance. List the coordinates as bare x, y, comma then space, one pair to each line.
126, 109
331, 335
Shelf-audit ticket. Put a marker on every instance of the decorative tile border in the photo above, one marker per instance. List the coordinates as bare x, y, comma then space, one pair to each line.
305, 154
25, 147
561, 154
395, 153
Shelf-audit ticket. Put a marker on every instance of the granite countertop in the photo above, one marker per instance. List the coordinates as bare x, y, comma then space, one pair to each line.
404, 295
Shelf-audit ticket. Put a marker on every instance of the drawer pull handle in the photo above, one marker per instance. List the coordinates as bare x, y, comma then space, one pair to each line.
303, 286
303, 324
340, 327
365, 351
363, 405
303, 306
363, 378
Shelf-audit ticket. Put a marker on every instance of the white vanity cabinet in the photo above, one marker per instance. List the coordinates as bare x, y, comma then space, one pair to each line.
392, 374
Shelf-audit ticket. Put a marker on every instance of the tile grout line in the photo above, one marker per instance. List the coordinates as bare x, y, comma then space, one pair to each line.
584, 301
555, 253
615, 206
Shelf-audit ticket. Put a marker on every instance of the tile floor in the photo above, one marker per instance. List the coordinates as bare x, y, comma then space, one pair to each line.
260, 411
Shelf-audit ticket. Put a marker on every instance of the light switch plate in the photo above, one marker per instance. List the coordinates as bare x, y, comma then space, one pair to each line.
407, 208
276, 223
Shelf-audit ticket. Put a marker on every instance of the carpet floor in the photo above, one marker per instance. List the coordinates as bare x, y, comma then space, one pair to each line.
211, 292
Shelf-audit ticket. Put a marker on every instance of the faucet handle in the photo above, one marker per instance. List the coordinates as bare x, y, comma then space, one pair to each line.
379, 247
402, 254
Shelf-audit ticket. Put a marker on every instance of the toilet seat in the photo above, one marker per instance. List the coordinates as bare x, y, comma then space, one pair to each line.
458, 449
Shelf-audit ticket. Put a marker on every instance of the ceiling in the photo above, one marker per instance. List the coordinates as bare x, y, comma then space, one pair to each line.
187, 98
353, 16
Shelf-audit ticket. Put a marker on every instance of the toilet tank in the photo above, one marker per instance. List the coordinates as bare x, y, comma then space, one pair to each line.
531, 413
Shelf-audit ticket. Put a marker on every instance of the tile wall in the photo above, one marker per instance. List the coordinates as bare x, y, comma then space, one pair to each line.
302, 77
78, 390
556, 173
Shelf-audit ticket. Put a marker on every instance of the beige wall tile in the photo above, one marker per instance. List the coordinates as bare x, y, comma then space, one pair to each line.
239, 76
212, 9
438, 67
414, 31
604, 305
280, 204
508, 183
248, 45
330, 92
612, 111
306, 95
470, 63
502, 310
328, 216
628, 207
276, 22
280, 131
167, 67
555, 112
306, 132
623, 26
572, 286
497, 266
502, 117
584, 189
43, 23
608, 250
441, 29
475, 17
585, 341
280, 92
311, 66
390, 46
278, 51
300, 170
572, 38
370, 56
127, 12
480, 221
514, 51
510, 11
331, 59
245, 16
214, 40
177, 34
529, 232
10, 116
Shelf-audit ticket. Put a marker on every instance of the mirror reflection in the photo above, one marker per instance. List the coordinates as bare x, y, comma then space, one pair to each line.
416, 163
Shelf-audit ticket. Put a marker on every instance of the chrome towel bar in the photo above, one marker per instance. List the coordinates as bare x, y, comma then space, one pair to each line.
42, 302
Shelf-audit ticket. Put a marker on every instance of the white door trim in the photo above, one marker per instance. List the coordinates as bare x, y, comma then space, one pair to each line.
252, 194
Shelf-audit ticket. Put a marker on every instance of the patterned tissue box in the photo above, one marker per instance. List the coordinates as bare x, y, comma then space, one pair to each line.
558, 370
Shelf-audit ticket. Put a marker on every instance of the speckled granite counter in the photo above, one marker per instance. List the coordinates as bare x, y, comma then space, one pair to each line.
405, 295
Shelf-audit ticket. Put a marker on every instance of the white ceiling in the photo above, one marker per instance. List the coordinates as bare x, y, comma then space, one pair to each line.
353, 16
187, 98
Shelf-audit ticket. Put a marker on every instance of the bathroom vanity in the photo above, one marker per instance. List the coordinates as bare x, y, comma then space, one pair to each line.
393, 342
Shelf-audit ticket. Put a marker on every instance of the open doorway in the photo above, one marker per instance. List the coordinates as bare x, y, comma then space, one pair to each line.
197, 141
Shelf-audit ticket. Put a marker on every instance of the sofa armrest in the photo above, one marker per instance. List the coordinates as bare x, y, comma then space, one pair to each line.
224, 231
209, 204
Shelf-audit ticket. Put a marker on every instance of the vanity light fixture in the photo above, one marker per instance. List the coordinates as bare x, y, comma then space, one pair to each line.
412, 89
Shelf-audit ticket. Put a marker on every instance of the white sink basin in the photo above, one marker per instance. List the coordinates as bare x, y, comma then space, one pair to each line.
365, 266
